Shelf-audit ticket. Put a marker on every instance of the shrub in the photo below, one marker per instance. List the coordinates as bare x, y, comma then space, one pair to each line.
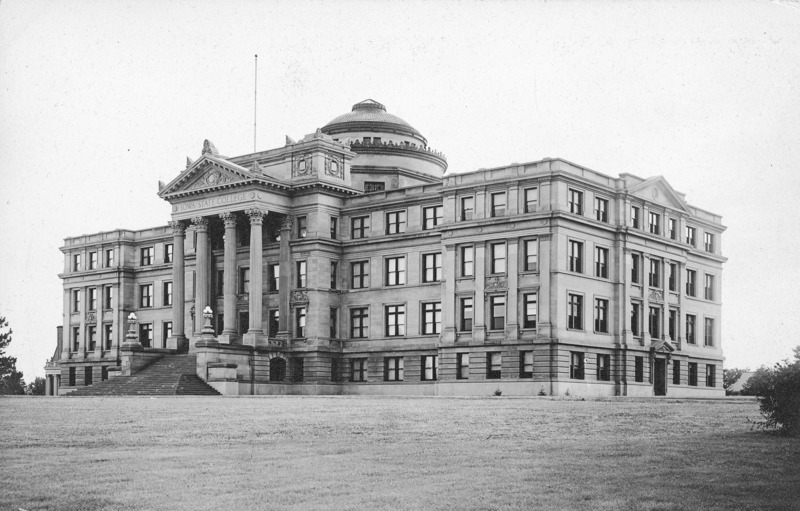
778, 392
498, 392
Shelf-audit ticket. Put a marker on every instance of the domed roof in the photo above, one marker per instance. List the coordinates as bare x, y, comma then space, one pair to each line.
369, 114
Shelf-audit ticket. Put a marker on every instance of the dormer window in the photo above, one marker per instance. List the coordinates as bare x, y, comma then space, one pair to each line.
301, 165
334, 167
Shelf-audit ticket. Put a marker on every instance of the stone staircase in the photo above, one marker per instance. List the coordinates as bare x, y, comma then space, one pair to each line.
172, 375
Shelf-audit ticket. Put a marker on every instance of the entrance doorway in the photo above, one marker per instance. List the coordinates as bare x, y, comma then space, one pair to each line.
660, 377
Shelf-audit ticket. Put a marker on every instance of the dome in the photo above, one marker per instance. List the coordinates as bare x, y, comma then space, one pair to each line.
371, 116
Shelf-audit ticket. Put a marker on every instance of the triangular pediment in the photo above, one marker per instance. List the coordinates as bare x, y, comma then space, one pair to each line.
658, 190
208, 172
662, 346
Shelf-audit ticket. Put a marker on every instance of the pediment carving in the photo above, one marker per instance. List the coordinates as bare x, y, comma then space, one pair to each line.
212, 177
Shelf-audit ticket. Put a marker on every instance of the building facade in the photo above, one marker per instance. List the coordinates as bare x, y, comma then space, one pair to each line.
348, 262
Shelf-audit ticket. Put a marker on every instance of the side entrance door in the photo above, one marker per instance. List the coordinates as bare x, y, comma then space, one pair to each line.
660, 377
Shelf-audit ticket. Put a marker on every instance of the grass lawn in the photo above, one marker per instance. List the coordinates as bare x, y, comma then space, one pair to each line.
390, 453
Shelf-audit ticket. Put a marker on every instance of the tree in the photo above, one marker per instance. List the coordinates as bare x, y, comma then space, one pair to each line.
731, 376
11, 381
37, 387
778, 392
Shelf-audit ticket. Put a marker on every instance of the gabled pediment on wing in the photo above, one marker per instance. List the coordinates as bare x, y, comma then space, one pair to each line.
661, 346
208, 172
658, 190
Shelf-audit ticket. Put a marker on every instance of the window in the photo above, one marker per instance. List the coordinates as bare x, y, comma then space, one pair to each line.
274, 276
300, 322
693, 374
396, 222
395, 271
297, 368
334, 273
219, 324
531, 199
273, 316
654, 278
635, 272
708, 242
110, 257
498, 257
673, 229
493, 366
635, 217
601, 209
393, 369
72, 371
467, 261
432, 318
466, 314
166, 333
575, 313
359, 226
462, 366
92, 260
76, 262
277, 369
146, 295
220, 282
168, 249
676, 372
92, 298
691, 319
333, 322
431, 217
334, 227
636, 315
655, 223
360, 272
103, 373
601, 262
91, 337
244, 280
711, 371
601, 315
108, 336
526, 364
672, 325
146, 334
576, 365
604, 367
531, 248
358, 369
432, 267
709, 287
709, 332
147, 256
430, 367
530, 311
690, 235
655, 322
575, 256
301, 274
167, 293
395, 320
498, 204
76, 331
673, 276
87, 376
467, 207
302, 227
575, 202
497, 306
76, 300
690, 278
638, 369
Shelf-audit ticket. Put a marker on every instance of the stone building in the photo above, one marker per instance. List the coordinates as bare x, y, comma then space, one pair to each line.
349, 263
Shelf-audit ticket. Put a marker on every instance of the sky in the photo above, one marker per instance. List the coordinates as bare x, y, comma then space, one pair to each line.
99, 100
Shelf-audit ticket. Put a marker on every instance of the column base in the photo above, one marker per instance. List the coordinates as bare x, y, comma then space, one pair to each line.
229, 338
254, 339
177, 342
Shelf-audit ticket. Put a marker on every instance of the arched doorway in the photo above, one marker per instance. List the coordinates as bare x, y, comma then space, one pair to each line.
277, 369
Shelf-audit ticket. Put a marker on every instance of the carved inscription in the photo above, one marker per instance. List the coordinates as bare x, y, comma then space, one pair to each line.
215, 201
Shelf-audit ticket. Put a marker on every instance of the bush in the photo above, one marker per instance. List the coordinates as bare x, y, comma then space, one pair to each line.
778, 392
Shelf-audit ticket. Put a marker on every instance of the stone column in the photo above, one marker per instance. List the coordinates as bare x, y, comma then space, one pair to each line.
256, 330
479, 307
176, 341
48, 385
229, 280
512, 309
202, 263
285, 278
82, 332
450, 302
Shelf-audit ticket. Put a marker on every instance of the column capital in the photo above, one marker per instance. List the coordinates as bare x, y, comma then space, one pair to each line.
286, 223
229, 218
178, 227
200, 223
256, 215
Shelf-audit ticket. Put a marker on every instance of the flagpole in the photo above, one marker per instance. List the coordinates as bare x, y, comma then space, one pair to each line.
255, 104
